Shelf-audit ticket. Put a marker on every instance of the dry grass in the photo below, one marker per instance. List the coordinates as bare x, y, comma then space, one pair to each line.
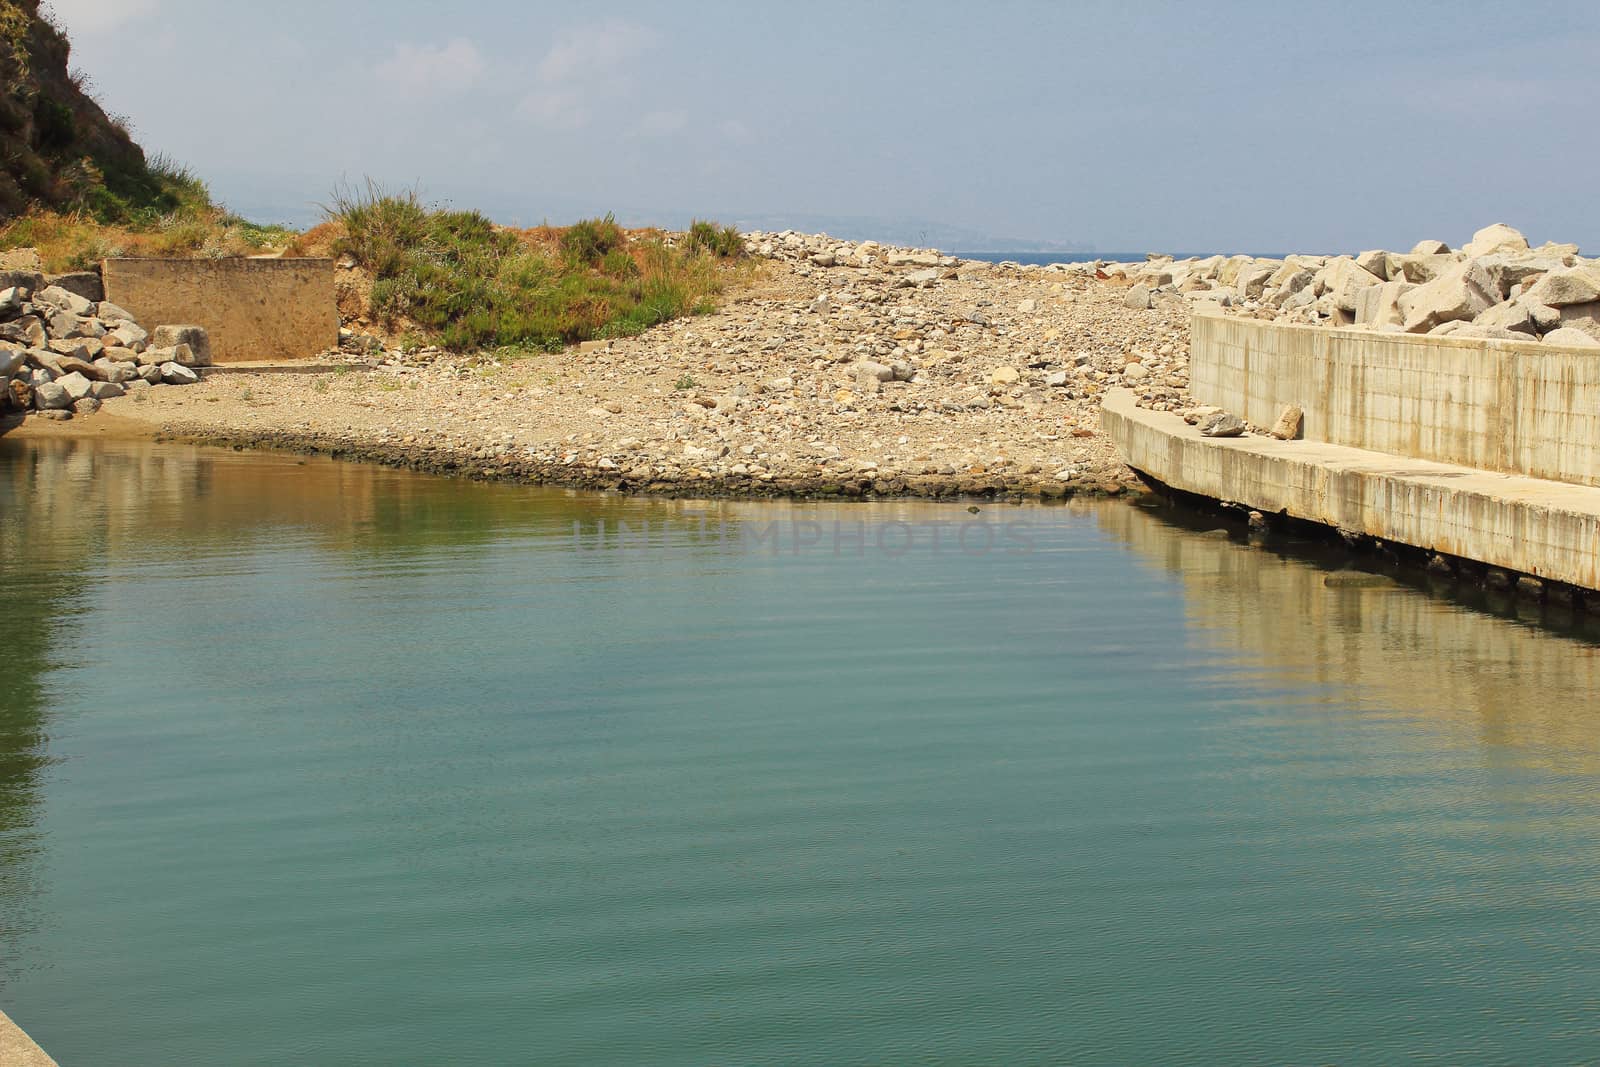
75, 241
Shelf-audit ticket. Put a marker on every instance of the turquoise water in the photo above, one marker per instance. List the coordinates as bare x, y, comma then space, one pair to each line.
319, 763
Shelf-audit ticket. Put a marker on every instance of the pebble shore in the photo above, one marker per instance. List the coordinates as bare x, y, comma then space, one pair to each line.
843, 370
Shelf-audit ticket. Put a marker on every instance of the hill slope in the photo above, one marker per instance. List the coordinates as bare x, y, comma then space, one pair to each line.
58, 147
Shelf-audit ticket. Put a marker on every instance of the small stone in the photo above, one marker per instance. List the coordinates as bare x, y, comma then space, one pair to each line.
1222, 424
1287, 428
18, 395
1139, 298
1135, 372
86, 406
1004, 376
198, 340
178, 374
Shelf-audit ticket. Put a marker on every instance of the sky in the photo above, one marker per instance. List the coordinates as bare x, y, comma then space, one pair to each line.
1114, 126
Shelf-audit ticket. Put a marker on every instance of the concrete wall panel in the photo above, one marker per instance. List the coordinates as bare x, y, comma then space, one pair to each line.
254, 309
1516, 408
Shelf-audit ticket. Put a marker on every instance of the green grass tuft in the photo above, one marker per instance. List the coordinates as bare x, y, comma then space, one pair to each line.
723, 242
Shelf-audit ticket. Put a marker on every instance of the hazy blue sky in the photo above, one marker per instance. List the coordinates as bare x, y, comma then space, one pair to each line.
1128, 125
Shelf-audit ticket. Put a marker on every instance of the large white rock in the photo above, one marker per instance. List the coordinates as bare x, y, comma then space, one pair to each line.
76, 385
1510, 269
1375, 262
178, 374
64, 300
1585, 317
50, 396
1379, 306
1342, 279
117, 371
1253, 281
1496, 238
1519, 316
1430, 248
129, 335
1569, 337
1565, 286
1462, 293
1421, 269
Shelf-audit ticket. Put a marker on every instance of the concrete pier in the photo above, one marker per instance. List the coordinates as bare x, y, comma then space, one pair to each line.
1535, 526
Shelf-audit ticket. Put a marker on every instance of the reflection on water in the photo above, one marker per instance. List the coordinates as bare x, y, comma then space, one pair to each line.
1387, 647
316, 762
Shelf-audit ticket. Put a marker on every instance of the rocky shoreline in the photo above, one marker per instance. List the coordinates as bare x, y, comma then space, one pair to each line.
843, 371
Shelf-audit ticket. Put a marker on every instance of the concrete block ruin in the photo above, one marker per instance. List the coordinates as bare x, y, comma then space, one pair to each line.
254, 310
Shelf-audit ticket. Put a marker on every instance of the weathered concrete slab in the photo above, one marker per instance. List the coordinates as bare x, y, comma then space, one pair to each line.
1517, 408
17, 1048
1545, 528
253, 309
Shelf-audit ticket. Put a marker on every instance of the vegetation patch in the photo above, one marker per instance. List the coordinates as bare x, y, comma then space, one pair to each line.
469, 284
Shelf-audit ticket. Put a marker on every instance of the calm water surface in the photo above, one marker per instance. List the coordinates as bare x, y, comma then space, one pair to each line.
319, 763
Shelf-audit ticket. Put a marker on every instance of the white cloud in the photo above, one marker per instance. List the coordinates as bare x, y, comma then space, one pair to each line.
453, 67
589, 65
84, 17
586, 52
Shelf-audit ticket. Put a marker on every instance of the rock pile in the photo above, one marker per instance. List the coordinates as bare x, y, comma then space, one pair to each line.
64, 349
1495, 287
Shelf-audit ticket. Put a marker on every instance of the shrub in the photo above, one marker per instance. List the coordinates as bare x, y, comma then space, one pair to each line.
469, 284
724, 242
591, 240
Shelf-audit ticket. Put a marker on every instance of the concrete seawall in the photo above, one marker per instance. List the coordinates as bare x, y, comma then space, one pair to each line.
1544, 528
1530, 409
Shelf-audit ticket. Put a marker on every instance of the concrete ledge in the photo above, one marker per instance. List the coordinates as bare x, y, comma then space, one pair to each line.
1547, 529
17, 1048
